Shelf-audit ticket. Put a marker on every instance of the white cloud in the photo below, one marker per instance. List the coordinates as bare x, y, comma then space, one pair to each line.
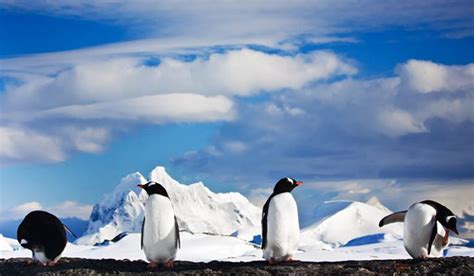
23, 209
395, 123
240, 72
346, 129
157, 109
18, 144
88, 139
426, 76
83, 99
62, 210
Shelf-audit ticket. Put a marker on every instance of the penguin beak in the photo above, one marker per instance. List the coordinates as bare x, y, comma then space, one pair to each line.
297, 183
454, 230
141, 186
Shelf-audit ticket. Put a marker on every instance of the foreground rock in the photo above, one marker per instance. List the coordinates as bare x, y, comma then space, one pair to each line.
76, 266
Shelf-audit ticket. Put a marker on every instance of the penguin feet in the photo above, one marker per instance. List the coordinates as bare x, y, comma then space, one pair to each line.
272, 261
51, 263
152, 265
169, 264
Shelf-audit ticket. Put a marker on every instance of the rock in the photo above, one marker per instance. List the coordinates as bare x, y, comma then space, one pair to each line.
77, 266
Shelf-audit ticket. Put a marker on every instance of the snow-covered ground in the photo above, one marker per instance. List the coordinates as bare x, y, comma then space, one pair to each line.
205, 248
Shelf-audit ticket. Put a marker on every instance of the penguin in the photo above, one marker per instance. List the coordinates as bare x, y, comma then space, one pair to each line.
426, 228
280, 225
160, 232
45, 235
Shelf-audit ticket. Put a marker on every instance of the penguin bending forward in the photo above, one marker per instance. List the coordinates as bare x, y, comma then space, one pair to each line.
45, 235
160, 232
280, 226
426, 228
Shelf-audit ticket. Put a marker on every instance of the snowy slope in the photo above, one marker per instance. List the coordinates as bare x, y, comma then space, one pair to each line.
337, 222
4, 245
198, 209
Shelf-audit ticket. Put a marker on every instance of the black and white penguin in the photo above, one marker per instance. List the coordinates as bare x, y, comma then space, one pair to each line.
426, 228
280, 225
160, 232
44, 234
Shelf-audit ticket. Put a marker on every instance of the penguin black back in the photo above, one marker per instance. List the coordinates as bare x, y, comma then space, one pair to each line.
42, 231
284, 185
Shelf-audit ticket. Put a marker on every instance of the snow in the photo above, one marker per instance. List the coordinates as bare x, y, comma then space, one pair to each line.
4, 244
205, 248
338, 222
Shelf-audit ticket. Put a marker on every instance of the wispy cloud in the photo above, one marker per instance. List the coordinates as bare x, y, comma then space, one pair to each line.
282, 19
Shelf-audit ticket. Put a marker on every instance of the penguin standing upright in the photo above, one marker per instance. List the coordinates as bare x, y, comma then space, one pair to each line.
160, 232
426, 228
280, 226
44, 234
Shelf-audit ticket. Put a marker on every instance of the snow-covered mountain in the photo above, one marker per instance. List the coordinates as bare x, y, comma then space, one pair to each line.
198, 209
338, 222
121, 210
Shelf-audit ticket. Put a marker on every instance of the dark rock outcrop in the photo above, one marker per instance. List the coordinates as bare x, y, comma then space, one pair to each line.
77, 266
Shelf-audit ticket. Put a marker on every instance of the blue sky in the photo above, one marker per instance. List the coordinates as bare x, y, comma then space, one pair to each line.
356, 98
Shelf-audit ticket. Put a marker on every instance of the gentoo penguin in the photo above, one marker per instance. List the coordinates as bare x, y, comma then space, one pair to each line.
45, 235
426, 228
160, 232
280, 226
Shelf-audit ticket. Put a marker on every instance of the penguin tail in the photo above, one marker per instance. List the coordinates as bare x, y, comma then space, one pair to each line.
395, 217
69, 231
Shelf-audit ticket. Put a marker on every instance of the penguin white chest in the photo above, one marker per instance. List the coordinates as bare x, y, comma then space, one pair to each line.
418, 225
159, 233
282, 228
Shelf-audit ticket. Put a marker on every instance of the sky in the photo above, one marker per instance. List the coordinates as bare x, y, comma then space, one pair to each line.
356, 98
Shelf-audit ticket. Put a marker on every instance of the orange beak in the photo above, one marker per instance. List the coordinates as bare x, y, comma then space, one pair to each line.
297, 183
141, 186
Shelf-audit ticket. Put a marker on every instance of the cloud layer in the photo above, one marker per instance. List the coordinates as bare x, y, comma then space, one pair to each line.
350, 129
80, 108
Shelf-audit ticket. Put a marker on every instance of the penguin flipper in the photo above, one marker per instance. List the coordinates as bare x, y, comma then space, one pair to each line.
434, 232
143, 226
176, 229
395, 217
264, 222
69, 231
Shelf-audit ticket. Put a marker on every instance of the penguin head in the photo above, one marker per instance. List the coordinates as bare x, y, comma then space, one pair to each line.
286, 184
450, 223
154, 188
